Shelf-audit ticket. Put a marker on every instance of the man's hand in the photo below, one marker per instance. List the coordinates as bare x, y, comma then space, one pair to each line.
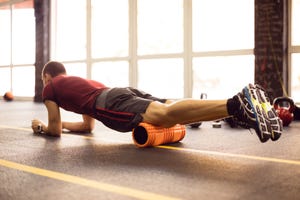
37, 126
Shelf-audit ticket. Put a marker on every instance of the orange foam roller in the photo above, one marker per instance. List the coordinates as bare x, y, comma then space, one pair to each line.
146, 135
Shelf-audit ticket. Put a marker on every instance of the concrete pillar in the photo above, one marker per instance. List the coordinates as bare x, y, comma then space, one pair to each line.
271, 44
42, 20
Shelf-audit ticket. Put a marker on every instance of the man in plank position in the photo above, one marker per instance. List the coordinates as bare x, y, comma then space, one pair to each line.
122, 109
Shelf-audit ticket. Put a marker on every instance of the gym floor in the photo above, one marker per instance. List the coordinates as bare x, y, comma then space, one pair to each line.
209, 163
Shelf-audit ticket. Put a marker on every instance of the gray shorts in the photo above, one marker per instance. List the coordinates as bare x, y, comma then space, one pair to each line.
121, 108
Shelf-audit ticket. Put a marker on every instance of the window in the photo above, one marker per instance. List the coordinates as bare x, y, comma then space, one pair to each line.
164, 47
109, 28
296, 77
5, 49
223, 42
5, 77
223, 25
160, 26
295, 24
110, 42
111, 73
69, 31
17, 49
5, 32
161, 77
295, 51
160, 37
23, 80
23, 34
76, 69
222, 76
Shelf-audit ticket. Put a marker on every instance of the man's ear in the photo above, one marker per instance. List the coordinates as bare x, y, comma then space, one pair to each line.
47, 77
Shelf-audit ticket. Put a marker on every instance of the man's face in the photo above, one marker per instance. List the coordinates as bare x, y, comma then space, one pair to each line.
45, 78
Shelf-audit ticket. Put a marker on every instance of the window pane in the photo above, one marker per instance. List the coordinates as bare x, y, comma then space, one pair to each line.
23, 33
111, 74
223, 25
109, 28
76, 69
296, 77
5, 80
162, 77
70, 30
23, 81
222, 77
5, 36
160, 26
295, 22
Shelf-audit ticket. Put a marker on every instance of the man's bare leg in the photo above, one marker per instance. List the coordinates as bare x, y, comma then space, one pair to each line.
250, 108
185, 111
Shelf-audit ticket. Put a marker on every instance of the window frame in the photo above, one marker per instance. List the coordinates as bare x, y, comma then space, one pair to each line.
11, 65
292, 49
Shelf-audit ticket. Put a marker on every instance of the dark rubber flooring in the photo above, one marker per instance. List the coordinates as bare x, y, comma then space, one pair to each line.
209, 163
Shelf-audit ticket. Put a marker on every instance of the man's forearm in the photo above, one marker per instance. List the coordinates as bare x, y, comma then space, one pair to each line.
76, 127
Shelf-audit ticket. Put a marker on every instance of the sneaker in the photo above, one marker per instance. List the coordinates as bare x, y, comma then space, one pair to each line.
256, 112
235, 122
250, 113
275, 121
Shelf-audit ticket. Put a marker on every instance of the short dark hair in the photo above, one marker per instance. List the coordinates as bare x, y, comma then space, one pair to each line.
54, 68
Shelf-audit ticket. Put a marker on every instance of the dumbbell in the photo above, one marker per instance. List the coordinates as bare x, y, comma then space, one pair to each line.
284, 107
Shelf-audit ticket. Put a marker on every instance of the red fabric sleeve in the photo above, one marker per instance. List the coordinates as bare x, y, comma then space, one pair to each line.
48, 93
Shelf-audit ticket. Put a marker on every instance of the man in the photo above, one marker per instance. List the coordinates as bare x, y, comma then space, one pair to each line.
122, 109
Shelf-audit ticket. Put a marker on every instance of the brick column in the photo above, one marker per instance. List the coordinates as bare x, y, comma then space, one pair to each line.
42, 20
271, 46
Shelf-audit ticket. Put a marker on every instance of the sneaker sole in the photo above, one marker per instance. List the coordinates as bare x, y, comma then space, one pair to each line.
275, 121
264, 129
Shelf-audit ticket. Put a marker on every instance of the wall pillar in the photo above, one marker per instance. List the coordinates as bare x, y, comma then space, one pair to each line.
271, 44
42, 20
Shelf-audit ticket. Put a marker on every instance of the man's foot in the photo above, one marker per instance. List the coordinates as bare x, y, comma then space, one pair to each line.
268, 123
275, 121
251, 113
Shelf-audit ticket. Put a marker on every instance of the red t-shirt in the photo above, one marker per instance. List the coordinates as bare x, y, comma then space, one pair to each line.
73, 93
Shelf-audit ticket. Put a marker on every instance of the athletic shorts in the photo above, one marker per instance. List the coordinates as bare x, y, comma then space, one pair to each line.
121, 108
